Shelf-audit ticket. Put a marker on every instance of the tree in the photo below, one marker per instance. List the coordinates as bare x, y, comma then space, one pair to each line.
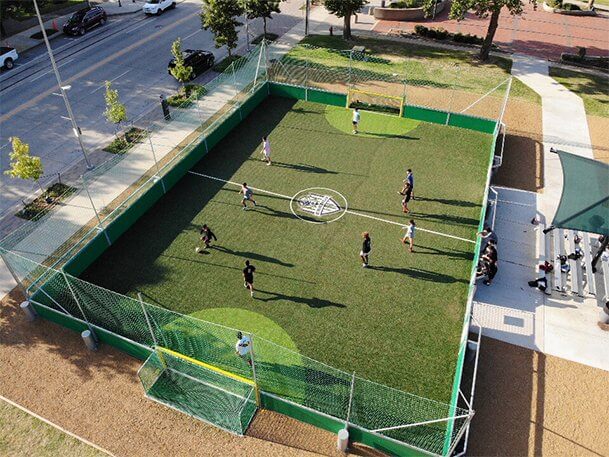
24, 165
219, 17
482, 9
263, 9
345, 9
115, 110
180, 71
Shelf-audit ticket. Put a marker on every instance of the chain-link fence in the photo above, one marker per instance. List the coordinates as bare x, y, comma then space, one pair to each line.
147, 148
276, 370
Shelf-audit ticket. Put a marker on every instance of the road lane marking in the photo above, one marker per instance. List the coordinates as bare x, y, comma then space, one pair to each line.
35, 100
192, 34
49, 71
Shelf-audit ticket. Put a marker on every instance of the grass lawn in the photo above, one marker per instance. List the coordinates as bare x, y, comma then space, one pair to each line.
421, 64
593, 89
397, 323
25, 435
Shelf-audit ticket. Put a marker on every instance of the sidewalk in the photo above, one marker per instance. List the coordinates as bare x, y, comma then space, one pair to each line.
563, 325
22, 41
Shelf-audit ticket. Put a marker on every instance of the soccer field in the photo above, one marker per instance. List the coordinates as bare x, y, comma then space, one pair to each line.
397, 323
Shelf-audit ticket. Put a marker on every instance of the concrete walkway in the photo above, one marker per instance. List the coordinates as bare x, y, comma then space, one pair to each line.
68, 220
563, 325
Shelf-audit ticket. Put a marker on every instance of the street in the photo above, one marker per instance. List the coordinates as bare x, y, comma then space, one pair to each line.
132, 51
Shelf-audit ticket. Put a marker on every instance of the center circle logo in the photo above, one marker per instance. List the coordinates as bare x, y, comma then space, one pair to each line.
318, 205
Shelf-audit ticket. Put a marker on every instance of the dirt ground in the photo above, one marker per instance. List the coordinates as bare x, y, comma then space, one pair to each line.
599, 134
530, 404
97, 396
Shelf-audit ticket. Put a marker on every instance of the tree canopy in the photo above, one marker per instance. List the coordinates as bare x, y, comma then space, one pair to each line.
115, 112
24, 165
180, 71
219, 16
263, 9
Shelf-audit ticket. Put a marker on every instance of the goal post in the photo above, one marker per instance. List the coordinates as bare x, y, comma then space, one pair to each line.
206, 392
375, 101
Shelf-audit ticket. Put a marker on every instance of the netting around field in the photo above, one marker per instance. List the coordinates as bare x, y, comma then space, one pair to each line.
199, 392
279, 371
372, 101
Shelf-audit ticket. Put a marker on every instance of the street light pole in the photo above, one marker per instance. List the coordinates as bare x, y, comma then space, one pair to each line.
75, 127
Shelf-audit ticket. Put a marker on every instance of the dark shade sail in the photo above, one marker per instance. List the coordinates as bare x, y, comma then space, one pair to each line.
584, 204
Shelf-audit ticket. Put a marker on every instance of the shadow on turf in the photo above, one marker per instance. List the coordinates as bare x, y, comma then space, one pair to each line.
311, 302
311, 169
423, 275
458, 220
252, 256
445, 201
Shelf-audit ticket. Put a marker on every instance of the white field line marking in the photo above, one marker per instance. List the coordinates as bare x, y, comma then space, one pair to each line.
112, 80
61, 429
403, 225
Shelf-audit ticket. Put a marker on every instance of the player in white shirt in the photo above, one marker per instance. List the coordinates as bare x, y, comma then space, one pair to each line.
355, 120
243, 347
247, 195
409, 236
266, 150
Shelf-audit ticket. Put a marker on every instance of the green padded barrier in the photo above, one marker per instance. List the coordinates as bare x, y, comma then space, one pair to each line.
327, 98
425, 114
472, 123
282, 90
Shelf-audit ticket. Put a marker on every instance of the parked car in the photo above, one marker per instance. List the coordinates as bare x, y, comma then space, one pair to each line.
157, 6
85, 19
8, 57
197, 59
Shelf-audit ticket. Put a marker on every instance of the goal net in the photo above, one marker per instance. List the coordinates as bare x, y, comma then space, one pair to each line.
374, 101
208, 393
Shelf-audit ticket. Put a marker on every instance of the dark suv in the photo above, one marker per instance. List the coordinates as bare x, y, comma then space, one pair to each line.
197, 59
85, 19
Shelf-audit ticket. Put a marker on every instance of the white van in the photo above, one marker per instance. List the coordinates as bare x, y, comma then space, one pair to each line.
158, 6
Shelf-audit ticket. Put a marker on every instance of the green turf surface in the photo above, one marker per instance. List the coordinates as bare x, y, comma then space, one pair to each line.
397, 323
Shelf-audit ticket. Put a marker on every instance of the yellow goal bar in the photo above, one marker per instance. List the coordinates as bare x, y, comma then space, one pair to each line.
228, 374
354, 92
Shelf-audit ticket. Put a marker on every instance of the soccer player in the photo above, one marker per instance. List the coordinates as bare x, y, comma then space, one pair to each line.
366, 248
247, 195
409, 236
248, 277
355, 121
207, 236
407, 195
266, 150
243, 347
409, 179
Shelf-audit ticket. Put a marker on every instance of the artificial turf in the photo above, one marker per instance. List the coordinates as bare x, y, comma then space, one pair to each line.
397, 323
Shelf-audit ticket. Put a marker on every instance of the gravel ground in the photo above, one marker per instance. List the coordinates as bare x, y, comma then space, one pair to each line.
97, 396
528, 403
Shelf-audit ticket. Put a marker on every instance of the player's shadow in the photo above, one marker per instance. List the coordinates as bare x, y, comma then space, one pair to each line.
450, 253
458, 220
251, 256
450, 202
423, 275
390, 135
272, 211
312, 302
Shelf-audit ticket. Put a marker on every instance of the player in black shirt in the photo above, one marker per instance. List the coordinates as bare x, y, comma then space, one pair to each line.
366, 248
248, 277
207, 235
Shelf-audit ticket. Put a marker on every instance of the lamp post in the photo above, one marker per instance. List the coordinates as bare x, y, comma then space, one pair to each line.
62, 89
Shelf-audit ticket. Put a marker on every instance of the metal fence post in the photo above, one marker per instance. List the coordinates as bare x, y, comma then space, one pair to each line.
253, 360
450, 101
139, 296
350, 70
20, 284
236, 90
99, 222
65, 277
156, 163
350, 401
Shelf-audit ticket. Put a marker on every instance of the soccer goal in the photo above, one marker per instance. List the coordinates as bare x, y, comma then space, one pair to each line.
374, 101
208, 393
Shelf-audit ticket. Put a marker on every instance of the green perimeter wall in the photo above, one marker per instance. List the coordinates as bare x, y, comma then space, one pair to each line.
174, 172
410, 111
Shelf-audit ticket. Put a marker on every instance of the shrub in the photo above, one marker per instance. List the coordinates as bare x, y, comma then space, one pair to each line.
225, 63
442, 34
269, 37
432, 33
45, 202
420, 30
458, 37
570, 7
554, 3
186, 95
